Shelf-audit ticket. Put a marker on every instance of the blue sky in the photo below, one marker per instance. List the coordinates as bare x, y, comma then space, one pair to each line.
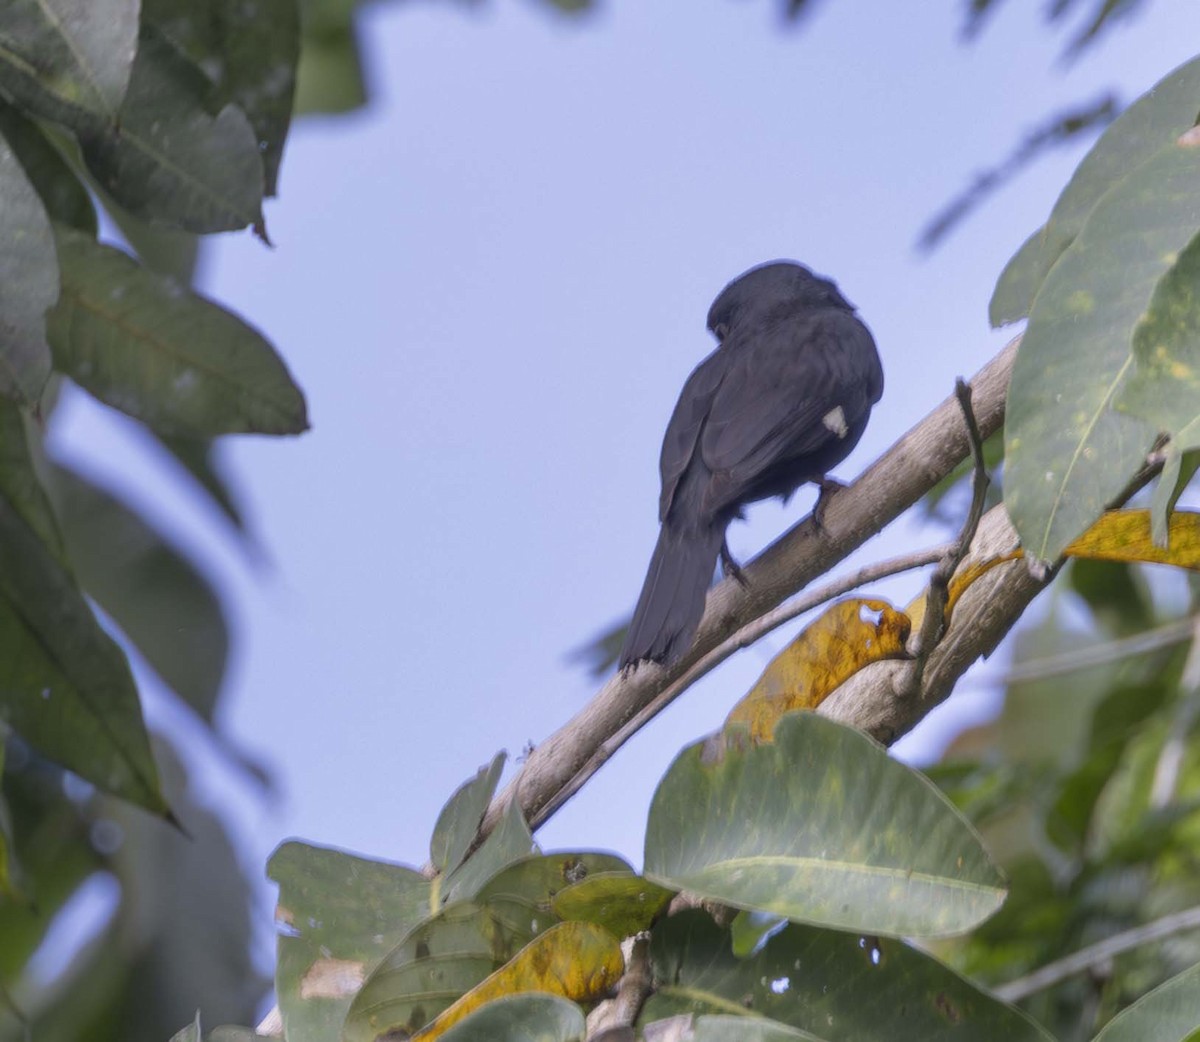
492, 284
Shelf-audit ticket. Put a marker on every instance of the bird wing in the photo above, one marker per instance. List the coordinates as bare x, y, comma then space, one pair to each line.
683, 431
779, 388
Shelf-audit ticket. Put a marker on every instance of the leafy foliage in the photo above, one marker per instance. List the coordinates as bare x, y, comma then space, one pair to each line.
786, 858
119, 104
1108, 262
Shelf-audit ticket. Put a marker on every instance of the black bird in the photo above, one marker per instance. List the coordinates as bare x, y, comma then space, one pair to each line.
782, 400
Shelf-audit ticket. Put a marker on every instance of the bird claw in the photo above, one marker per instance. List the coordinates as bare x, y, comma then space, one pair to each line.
731, 568
826, 487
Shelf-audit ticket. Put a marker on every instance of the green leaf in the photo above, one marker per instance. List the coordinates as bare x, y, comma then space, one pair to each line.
250, 51
68, 60
56, 855
8, 864
532, 1017
339, 915
508, 842
200, 458
195, 916
1116, 593
1170, 1013
1018, 283
19, 484
147, 346
458, 823
262, 49
7, 1005
191, 1033
600, 653
1179, 468
524, 895
62, 193
234, 1033
65, 687
570, 6
1156, 119
1164, 387
819, 826
534, 882
167, 251
749, 929
330, 78
28, 282
1068, 451
723, 1029
621, 902
167, 159
437, 962
834, 985
148, 587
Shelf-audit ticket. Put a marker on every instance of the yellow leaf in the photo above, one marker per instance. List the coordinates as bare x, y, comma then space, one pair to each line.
958, 586
841, 641
845, 637
577, 961
1124, 535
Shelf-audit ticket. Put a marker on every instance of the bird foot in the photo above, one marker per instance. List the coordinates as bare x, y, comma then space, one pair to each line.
731, 568
826, 487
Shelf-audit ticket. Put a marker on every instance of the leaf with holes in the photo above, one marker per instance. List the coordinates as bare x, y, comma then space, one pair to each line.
437, 962
338, 916
842, 640
833, 985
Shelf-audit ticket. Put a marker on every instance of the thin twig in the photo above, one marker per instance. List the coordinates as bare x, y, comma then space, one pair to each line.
1170, 757
1101, 654
933, 623
743, 638
1094, 954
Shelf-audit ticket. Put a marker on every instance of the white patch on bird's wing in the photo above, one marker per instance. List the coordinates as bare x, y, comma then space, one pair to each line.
835, 421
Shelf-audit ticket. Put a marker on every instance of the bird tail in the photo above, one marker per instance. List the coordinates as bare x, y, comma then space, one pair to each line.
672, 599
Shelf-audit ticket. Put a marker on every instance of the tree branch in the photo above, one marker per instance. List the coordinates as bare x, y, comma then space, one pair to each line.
1100, 952
1175, 632
636, 986
881, 698
852, 515
743, 638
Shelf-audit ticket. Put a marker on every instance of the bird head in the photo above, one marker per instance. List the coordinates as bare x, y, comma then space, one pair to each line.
770, 286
